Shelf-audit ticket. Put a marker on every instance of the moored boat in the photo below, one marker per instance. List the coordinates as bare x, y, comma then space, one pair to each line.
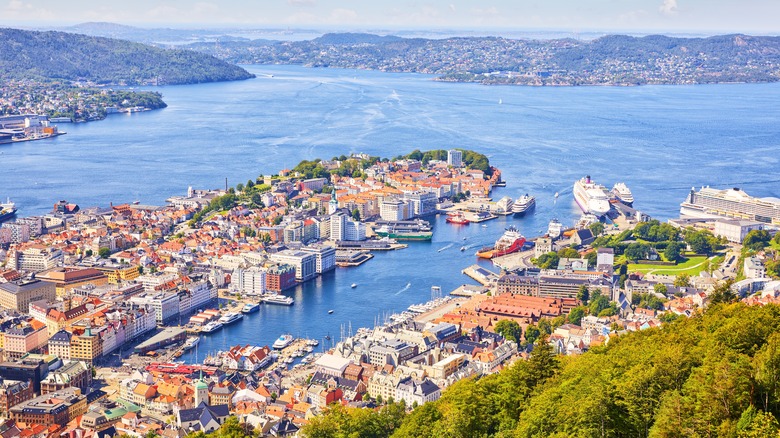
7, 210
554, 228
190, 343
230, 318
211, 327
623, 193
278, 299
523, 204
283, 341
457, 218
250, 308
510, 242
591, 197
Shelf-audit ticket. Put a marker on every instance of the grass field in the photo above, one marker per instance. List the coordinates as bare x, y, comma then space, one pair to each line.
691, 266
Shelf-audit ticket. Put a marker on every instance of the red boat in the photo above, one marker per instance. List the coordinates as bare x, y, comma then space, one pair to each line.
457, 218
511, 242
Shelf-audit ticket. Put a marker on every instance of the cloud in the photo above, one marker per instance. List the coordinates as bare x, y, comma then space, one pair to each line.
20, 10
668, 7
299, 3
341, 15
452, 7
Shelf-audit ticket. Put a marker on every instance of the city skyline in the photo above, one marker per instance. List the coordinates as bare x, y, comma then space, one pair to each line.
662, 16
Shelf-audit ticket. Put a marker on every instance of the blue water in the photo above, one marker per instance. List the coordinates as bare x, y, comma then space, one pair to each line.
660, 140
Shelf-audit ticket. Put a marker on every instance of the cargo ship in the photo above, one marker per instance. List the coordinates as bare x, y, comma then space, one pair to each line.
7, 210
591, 197
523, 204
510, 242
457, 218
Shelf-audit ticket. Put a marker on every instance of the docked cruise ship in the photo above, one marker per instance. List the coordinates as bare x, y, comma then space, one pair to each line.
591, 197
712, 203
523, 204
623, 193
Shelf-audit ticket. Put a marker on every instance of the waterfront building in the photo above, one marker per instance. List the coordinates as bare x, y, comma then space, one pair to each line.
422, 203
164, 304
305, 263
735, 230
58, 408
69, 278
195, 293
280, 277
343, 227
325, 257
730, 203
35, 258
249, 281
395, 210
454, 158
17, 295
75, 374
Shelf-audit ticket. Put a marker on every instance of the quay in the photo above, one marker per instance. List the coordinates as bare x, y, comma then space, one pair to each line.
370, 245
480, 275
469, 290
347, 258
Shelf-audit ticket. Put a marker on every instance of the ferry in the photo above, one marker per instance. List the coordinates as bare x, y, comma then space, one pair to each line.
283, 341
510, 242
404, 234
523, 204
230, 318
250, 308
457, 218
591, 197
554, 228
211, 327
623, 193
278, 299
7, 210
190, 343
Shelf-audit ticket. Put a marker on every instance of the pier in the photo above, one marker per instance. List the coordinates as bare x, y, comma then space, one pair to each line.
480, 275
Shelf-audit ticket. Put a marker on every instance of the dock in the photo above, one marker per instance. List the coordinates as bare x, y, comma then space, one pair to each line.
347, 258
480, 275
168, 336
469, 290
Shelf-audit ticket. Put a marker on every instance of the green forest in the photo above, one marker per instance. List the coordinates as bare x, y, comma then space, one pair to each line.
716, 374
64, 56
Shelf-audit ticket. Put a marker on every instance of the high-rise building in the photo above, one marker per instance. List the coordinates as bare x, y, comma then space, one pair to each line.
454, 158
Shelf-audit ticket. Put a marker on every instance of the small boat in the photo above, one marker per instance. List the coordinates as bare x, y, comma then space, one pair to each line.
278, 299
462, 248
211, 327
283, 341
484, 225
250, 308
556, 194
457, 218
313, 342
190, 343
354, 285
330, 311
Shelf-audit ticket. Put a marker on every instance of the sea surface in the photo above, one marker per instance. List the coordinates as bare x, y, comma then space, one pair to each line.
660, 140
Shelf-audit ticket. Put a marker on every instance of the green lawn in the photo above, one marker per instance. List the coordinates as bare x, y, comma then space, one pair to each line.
691, 266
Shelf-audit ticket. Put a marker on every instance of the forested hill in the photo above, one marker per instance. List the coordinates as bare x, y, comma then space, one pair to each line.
610, 60
715, 374
72, 57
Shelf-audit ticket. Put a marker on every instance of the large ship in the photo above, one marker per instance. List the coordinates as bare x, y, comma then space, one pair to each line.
406, 230
511, 241
523, 204
623, 193
709, 203
591, 197
278, 299
7, 210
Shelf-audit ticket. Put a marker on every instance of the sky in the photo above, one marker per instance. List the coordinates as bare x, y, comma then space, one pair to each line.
670, 16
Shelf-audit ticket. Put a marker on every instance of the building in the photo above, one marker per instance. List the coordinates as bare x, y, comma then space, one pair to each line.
66, 279
203, 418
416, 392
36, 258
17, 295
343, 227
331, 365
58, 408
75, 374
395, 210
305, 263
753, 268
325, 257
164, 304
391, 352
280, 277
19, 341
314, 184
59, 344
734, 203
86, 347
735, 230
18, 233
250, 281
454, 158
517, 285
422, 203
13, 392
25, 370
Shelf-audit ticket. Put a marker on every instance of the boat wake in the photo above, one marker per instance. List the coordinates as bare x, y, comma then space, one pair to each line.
446, 247
405, 288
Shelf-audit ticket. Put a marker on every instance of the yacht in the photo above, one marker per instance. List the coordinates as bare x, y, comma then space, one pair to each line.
555, 228
591, 197
354, 285
250, 308
211, 327
231, 317
330, 312
523, 204
313, 342
278, 299
283, 341
623, 193
190, 343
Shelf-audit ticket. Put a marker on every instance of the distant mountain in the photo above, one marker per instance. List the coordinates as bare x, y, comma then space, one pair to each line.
355, 38
72, 57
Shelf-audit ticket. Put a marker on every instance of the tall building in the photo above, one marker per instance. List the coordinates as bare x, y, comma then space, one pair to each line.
250, 281
343, 227
35, 258
305, 263
454, 158
325, 257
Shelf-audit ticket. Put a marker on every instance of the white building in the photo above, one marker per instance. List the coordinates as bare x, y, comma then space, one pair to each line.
395, 210
454, 158
735, 230
250, 281
754, 268
305, 263
164, 304
20, 233
151, 281
422, 203
325, 257
35, 259
343, 227
419, 392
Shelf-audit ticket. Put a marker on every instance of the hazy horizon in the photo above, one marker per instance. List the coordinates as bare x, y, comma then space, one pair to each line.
672, 17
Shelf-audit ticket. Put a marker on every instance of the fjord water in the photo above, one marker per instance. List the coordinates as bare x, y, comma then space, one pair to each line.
660, 140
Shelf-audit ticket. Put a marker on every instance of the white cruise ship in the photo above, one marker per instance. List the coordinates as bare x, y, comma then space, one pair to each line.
709, 203
591, 197
623, 193
523, 204
555, 228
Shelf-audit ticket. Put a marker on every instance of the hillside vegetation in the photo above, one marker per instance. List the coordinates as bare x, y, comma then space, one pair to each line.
715, 374
71, 57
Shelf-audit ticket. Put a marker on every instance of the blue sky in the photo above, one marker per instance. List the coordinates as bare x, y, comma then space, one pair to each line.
747, 16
